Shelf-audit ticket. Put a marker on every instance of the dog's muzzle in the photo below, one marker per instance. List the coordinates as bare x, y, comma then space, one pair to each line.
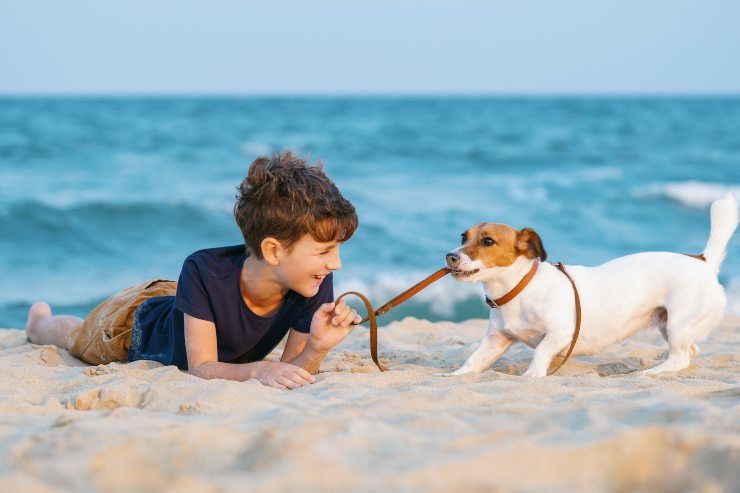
453, 262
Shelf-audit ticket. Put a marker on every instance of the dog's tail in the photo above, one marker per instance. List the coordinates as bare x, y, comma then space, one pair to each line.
724, 218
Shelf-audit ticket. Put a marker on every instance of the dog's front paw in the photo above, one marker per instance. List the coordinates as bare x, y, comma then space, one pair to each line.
534, 373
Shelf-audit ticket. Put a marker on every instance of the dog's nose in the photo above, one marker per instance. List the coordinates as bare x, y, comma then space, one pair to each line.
452, 259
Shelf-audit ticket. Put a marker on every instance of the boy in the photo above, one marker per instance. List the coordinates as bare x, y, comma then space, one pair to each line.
232, 305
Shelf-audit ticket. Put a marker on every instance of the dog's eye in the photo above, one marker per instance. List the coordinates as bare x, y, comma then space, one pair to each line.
488, 241
464, 238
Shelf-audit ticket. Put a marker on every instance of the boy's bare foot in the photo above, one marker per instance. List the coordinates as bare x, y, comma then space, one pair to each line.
42, 328
38, 311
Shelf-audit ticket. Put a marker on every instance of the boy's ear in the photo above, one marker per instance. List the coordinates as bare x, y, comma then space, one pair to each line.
271, 250
529, 244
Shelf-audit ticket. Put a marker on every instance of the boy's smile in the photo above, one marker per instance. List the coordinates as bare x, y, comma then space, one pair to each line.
320, 278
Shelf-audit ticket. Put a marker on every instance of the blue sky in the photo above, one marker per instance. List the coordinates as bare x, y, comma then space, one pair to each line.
346, 47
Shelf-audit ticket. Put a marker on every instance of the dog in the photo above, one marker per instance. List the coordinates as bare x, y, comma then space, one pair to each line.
678, 293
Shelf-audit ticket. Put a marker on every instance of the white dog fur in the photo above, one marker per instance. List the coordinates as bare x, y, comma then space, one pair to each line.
676, 293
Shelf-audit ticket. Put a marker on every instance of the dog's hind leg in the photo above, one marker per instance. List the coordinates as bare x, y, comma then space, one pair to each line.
491, 348
660, 319
682, 329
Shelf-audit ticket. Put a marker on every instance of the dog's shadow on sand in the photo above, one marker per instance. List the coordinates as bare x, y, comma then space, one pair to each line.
617, 368
624, 367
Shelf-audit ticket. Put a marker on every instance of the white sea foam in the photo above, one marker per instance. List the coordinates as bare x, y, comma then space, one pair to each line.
691, 193
580, 177
255, 149
541, 187
68, 202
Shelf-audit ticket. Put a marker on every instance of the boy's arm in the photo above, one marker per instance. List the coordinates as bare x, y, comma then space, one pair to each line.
331, 323
294, 345
202, 352
310, 358
298, 354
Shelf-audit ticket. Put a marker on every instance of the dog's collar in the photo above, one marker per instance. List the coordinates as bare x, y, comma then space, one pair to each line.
517, 289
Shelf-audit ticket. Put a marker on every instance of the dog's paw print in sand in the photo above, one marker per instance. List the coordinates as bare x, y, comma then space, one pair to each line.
109, 397
49, 356
96, 371
195, 408
65, 420
510, 367
357, 363
110, 368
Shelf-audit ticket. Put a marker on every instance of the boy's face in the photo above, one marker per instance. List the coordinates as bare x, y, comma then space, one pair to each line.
304, 267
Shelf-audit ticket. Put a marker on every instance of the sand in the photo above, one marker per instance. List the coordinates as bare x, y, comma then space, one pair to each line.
596, 426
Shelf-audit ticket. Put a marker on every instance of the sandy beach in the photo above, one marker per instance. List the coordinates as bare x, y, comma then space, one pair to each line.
596, 426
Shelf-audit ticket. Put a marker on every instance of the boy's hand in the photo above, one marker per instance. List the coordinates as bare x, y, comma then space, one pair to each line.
281, 375
331, 324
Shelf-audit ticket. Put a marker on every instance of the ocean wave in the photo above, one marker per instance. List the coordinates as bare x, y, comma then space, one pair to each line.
105, 201
692, 193
48, 241
19, 219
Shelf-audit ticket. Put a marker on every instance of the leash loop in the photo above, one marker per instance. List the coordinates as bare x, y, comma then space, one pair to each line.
373, 326
372, 314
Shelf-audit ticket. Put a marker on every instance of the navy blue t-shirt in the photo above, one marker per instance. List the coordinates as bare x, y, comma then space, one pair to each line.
209, 289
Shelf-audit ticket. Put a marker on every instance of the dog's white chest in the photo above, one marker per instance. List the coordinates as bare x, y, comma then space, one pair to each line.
524, 326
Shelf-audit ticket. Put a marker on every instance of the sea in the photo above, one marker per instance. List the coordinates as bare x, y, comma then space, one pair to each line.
100, 193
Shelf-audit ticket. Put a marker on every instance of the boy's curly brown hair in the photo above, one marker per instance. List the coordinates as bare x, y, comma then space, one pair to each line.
284, 197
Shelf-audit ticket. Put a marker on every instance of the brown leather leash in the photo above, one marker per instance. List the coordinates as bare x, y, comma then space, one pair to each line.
561, 268
372, 314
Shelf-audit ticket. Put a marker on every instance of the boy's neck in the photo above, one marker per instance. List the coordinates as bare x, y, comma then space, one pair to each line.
261, 291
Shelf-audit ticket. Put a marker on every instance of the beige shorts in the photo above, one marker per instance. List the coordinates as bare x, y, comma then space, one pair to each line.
105, 335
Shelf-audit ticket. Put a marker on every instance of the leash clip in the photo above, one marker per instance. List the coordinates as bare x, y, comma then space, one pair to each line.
492, 303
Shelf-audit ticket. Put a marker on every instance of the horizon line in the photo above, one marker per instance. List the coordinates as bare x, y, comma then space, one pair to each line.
361, 94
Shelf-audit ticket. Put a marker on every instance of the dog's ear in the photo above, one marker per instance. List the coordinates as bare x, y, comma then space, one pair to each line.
529, 244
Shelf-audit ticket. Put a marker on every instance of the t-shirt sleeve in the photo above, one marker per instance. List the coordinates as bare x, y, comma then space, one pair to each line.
192, 297
302, 323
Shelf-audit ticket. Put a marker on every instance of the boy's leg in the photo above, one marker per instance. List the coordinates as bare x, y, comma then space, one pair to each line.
43, 328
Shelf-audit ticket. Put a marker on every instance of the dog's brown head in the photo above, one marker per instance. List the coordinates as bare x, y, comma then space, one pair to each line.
488, 245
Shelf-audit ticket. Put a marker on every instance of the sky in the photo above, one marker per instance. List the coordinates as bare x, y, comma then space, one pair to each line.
373, 47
